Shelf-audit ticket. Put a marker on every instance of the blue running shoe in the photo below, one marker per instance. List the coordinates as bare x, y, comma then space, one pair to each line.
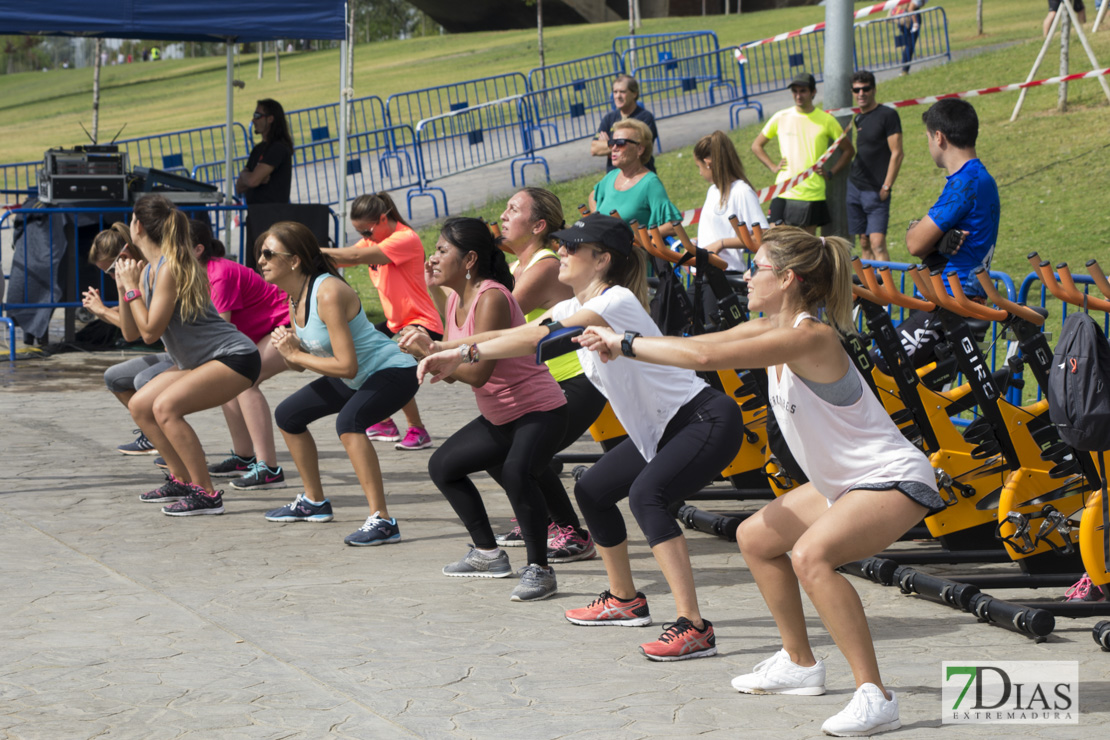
141, 445
260, 476
376, 531
232, 466
302, 509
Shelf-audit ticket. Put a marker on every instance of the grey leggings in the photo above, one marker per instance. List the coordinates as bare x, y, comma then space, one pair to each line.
133, 374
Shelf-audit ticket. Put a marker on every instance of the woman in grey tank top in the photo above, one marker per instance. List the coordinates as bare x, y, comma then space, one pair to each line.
167, 298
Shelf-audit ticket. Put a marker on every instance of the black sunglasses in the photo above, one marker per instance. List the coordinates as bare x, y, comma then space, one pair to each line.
869, 88
613, 143
572, 248
369, 234
269, 254
259, 115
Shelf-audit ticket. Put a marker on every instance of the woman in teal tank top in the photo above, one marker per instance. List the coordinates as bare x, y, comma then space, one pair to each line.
365, 378
529, 219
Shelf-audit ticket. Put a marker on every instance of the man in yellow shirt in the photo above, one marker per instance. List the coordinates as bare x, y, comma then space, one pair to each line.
804, 132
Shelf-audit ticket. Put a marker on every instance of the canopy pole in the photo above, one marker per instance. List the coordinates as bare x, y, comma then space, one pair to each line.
229, 183
344, 97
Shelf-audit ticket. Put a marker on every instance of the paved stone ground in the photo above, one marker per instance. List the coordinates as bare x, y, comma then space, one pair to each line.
123, 623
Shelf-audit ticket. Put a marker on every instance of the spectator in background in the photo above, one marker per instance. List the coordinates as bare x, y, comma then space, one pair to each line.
1054, 6
268, 175
626, 96
909, 28
804, 132
730, 194
874, 169
631, 189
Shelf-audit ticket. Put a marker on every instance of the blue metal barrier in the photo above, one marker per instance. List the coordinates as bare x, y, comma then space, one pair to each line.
472, 137
683, 43
694, 83
416, 105
180, 152
669, 52
583, 68
320, 123
883, 43
879, 45
567, 112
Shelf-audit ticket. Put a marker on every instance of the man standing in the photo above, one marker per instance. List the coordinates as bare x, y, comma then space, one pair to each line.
961, 229
626, 96
875, 168
1054, 8
804, 132
268, 176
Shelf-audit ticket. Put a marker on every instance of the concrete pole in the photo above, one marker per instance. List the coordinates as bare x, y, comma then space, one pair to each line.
837, 93
341, 167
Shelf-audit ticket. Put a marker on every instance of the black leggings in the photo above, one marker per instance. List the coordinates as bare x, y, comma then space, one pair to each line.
383, 394
584, 405
521, 449
700, 440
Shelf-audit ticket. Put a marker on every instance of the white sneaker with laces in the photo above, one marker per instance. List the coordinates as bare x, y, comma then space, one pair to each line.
779, 675
868, 713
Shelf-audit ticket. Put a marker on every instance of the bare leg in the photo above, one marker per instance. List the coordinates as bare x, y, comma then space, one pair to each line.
619, 570
764, 540
878, 246
674, 559
253, 426
865, 248
369, 472
209, 385
858, 525
412, 414
123, 397
237, 427
141, 407
302, 448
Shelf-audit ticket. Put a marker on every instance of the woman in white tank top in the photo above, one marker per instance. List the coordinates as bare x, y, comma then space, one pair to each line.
868, 484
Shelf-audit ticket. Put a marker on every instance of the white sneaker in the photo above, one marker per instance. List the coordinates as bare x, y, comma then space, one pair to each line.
779, 675
868, 713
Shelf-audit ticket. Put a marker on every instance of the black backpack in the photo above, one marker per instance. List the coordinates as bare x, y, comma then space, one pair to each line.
1079, 385
1079, 397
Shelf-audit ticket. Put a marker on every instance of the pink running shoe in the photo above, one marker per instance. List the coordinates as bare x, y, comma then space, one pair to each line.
568, 546
415, 439
383, 431
1085, 590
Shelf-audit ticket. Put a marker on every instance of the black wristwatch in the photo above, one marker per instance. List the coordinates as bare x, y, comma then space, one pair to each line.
626, 343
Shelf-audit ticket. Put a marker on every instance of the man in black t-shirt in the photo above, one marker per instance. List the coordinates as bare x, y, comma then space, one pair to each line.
268, 176
875, 168
626, 97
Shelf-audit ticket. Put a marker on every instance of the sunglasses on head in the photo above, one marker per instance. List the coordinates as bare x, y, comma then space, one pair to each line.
868, 88
614, 143
269, 254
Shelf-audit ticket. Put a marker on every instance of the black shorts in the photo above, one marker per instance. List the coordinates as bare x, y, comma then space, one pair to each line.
384, 329
1054, 5
248, 364
798, 212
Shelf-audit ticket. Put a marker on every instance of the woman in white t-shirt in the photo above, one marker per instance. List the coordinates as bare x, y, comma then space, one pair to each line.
868, 483
730, 194
682, 433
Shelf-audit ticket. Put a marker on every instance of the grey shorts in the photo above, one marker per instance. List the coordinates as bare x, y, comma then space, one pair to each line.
867, 214
917, 492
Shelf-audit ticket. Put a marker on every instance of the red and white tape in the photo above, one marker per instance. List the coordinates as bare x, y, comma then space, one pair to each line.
984, 91
691, 217
861, 13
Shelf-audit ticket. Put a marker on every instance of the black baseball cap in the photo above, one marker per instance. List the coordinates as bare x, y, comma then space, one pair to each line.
609, 232
804, 79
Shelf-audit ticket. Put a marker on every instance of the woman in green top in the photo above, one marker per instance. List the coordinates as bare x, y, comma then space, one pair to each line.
631, 189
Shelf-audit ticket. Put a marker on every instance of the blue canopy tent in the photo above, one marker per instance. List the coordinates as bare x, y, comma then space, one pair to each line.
241, 21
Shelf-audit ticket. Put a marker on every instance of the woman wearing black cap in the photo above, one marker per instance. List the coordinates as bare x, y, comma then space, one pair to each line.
681, 431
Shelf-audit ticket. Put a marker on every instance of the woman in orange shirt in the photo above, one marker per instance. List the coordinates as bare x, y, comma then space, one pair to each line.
395, 256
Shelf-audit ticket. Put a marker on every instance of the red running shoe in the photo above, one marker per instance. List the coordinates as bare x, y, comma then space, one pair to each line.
607, 609
681, 640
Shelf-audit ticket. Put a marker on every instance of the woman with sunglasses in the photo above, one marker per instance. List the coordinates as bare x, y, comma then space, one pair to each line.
867, 483
631, 189
523, 411
730, 194
681, 432
167, 298
395, 257
364, 377
123, 378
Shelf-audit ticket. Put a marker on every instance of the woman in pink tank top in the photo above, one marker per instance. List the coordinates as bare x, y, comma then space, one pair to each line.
523, 410
868, 484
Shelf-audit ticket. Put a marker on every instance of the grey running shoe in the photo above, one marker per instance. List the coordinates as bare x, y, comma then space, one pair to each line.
477, 565
536, 583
